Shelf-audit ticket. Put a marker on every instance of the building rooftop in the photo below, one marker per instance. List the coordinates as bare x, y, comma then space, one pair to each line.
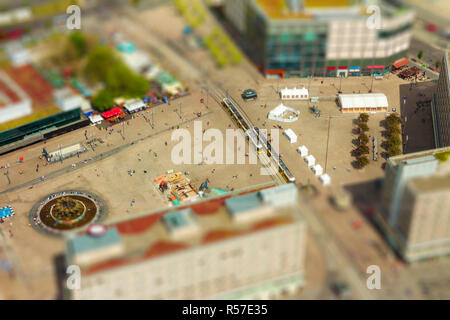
10, 92
427, 155
292, 9
152, 235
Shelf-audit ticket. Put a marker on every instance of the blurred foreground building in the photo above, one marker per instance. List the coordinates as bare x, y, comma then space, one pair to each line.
249, 244
321, 37
441, 105
416, 203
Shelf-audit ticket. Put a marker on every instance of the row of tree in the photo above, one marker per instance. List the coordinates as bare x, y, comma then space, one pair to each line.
362, 150
394, 131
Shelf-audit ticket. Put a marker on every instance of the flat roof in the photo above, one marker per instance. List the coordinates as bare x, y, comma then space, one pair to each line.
363, 100
419, 155
147, 236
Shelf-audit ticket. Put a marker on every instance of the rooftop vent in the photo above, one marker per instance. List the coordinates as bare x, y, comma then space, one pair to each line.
247, 207
90, 249
181, 223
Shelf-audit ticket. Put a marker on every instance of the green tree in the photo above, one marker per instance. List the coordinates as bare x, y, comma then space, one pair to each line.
437, 64
100, 61
362, 161
394, 140
103, 101
394, 151
363, 127
78, 40
363, 118
420, 54
363, 138
362, 149
394, 130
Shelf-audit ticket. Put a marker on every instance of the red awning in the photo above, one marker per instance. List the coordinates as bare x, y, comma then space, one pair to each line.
342, 68
331, 68
375, 67
400, 63
112, 113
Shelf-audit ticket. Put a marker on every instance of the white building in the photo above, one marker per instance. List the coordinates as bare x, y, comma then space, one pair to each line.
294, 94
310, 160
67, 100
252, 246
292, 137
369, 102
14, 102
134, 105
303, 150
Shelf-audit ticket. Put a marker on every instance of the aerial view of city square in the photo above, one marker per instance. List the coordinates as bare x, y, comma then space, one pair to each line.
224, 150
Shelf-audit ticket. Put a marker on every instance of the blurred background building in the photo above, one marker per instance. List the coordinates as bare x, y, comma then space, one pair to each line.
416, 202
14, 102
323, 38
248, 245
441, 105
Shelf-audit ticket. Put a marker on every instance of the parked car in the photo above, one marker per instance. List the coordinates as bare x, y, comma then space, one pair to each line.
249, 94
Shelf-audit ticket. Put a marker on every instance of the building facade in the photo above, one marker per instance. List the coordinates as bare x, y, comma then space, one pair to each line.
247, 245
416, 202
314, 38
441, 106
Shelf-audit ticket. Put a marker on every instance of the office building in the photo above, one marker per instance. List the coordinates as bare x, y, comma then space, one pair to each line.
249, 244
441, 106
322, 38
416, 203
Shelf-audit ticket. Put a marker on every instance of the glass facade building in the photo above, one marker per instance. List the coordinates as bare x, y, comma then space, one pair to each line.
321, 42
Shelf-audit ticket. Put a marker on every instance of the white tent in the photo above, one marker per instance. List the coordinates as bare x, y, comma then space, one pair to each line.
279, 113
370, 102
294, 94
134, 105
292, 137
310, 160
325, 179
303, 150
95, 118
317, 169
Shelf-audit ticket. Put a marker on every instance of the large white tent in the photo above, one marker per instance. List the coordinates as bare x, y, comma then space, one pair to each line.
370, 102
279, 113
294, 94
